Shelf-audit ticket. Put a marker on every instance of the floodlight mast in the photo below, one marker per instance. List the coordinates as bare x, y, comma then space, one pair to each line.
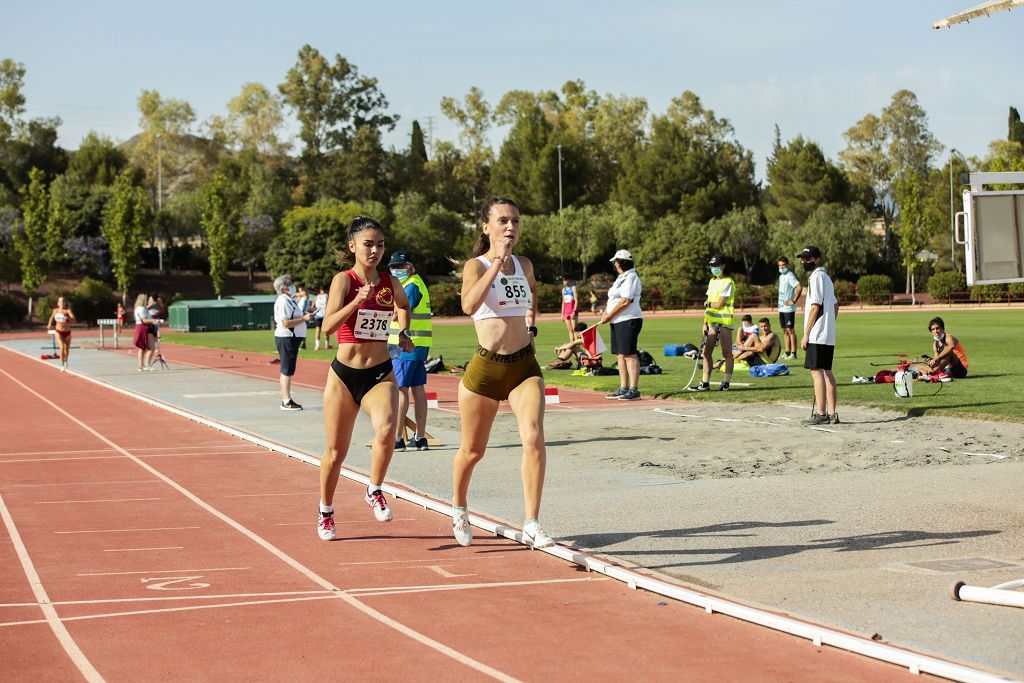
982, 10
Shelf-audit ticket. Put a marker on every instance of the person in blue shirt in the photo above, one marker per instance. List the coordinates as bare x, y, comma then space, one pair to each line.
409, 368
789, 294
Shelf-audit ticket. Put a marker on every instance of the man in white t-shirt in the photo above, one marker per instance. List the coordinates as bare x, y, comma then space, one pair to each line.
819, 340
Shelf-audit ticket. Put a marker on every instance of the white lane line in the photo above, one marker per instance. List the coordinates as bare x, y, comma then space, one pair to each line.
23, 453
111, 531
350, 521
280, 554
164, 571
196, 455
218, 596
83, 457
135, 550
100, 500
84, 483
263, 495
49, 612
399, 590
227, 394
190, 608
447, 559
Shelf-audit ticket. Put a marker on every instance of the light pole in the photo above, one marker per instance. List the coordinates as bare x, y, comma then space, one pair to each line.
561, 226
159, 197
952, 212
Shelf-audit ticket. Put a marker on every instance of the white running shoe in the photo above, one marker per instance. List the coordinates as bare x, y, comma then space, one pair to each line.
325, 527
460, 526
63, 368
537, 537
379, 505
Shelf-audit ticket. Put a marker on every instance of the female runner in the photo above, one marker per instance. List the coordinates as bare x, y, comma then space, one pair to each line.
361, 304
60, 320
499, 291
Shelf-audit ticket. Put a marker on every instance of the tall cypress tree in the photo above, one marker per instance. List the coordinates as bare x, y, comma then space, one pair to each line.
1016, 127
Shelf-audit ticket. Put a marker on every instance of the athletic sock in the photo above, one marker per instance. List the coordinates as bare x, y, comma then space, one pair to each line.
460, 508
326, 509
417, 437
530, 526
372, 488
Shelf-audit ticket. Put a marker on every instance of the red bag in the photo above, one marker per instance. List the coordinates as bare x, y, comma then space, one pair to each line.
885, 377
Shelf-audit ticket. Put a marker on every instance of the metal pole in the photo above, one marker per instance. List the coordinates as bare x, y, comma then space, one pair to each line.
561, 226
159, 197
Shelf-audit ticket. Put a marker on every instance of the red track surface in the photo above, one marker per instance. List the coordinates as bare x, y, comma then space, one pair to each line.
170, 551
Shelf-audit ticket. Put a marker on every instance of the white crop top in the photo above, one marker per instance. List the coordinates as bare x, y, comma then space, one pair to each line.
508, 296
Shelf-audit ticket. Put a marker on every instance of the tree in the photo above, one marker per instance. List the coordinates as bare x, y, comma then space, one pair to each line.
471, 162
10, 266
690, 164
331, 102
97, 161
12, 100
429, 232
742, 233
1016, 127
34, 145
124, 221
840, 231
358, 171
914, 225
672, 255
32, 234
254, 118
221, 226
800, 179
520, 172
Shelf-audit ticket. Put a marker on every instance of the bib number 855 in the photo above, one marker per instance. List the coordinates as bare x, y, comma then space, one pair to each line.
515, 291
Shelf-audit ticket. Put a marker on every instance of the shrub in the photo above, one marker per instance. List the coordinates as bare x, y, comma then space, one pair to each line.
92, 300
12, 311
549, 297
1016, 290
846, 291
988, 293
874, 289
945, 284
446, 299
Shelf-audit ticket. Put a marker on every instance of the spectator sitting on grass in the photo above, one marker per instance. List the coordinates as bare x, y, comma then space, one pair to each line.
949, 352
572, 349
762, 348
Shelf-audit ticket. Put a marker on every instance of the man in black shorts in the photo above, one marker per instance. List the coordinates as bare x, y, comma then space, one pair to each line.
789, 294
819, 340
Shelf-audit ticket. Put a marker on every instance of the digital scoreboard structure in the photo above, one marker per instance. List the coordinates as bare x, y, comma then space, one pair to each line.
991, 228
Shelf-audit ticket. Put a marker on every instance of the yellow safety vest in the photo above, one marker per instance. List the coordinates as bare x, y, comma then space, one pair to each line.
723, 315
420, 327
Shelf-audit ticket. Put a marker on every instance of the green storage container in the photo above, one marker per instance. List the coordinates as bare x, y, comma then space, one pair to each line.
261, 310
209, 315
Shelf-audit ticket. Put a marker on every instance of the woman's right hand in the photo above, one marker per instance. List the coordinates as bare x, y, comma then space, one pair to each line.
363, 293
504, 247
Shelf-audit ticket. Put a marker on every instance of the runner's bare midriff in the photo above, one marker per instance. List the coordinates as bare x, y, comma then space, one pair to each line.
503, 335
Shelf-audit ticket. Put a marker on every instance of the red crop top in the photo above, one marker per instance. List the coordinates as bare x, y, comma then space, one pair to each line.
372, 320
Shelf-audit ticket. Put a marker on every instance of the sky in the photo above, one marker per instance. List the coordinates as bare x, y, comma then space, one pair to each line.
812, 68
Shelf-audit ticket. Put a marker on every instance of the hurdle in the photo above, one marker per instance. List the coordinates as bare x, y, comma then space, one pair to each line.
551, 395
111, 323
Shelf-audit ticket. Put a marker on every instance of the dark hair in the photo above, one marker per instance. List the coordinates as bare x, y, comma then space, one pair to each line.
764, 320
580, 327
936, 321
483, 242
746, 317
358, 224
624, 263
783, 259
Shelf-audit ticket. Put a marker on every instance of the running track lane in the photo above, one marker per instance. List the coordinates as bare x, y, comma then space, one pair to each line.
168, 550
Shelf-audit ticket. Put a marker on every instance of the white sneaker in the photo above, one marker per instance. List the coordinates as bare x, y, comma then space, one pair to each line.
325, 527
379, 505
460, 526
63, 368
536, 537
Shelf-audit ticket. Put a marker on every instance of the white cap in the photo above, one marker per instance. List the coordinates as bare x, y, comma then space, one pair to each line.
622, 255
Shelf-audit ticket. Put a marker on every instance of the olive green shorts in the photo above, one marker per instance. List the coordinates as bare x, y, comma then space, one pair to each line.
495, 375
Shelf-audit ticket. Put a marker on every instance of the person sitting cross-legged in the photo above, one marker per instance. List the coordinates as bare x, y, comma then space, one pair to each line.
764, 347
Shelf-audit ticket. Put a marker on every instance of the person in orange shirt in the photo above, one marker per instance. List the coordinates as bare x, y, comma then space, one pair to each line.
949, 352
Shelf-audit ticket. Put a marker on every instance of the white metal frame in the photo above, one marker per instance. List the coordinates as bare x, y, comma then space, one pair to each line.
965, 225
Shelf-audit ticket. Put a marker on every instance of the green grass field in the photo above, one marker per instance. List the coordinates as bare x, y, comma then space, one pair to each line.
993, 341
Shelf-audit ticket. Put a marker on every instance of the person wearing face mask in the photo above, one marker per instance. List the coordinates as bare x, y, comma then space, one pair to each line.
790, 290
409, 369
289, 333
950, 356
819, 340
718, 321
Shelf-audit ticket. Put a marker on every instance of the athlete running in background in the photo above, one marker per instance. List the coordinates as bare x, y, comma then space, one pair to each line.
570, 307
500, 293
60, 320
361, 305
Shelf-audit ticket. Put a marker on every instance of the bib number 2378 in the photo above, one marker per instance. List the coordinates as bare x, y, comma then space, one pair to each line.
372, 324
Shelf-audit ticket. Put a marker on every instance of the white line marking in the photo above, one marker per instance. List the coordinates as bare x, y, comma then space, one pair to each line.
991, 455
85, 483
439, 569
669, 412
101, 500
350, 521
59, 630
166, 598
87, 450
175, 609
132, 550
822, 429
226, 394
110, 531
398, 590
280, 554
452, 559
263, 495
164, 571
84, 457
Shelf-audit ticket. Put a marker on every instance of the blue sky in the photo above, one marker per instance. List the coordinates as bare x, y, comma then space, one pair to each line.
813, 68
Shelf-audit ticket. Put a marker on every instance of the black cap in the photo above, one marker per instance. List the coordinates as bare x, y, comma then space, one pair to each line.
717, 260
399, 258
810, 252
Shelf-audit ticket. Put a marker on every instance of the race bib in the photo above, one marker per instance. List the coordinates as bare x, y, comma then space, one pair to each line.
372, 324
59, 318
513, 291
567, 298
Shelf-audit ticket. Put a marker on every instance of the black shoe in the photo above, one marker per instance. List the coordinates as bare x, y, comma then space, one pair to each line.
290, 405
833, 419
400, 445
724, 386
421, 444
630, 395
703, 386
